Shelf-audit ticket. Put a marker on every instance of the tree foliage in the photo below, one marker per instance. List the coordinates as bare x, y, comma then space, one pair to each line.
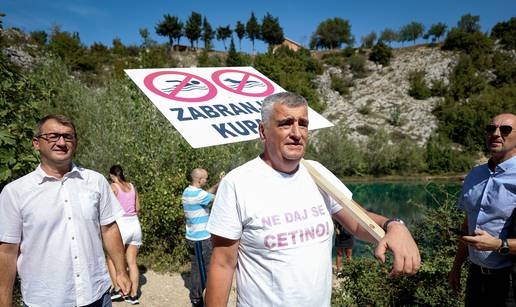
369, 40
381, 54
170, 27
233, 58
224, 33
412, 31
331, 33
437, 30
39, 37
207, 33
389, 36
193, 28
469, 23
240, 31
252, 29
271, 31
505, 31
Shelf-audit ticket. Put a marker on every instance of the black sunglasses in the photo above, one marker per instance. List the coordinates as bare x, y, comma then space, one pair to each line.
504, 129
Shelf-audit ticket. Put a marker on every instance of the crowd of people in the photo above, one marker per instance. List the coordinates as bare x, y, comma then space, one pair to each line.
270, 224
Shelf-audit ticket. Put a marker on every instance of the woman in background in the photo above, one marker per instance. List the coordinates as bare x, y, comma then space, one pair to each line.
129, 229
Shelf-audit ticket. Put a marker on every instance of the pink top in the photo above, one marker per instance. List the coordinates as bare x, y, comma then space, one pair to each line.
127, 200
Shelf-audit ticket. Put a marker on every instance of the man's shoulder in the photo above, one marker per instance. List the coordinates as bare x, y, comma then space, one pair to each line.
25, 181
245, 168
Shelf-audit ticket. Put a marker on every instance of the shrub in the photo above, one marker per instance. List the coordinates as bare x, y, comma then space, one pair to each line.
471, 42
357, 66
381, 54
418, 88
365, 281
340, 85
465, 79
438, 88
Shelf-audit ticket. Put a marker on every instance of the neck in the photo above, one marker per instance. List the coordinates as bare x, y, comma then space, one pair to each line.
498, 159
57, 171
287, 167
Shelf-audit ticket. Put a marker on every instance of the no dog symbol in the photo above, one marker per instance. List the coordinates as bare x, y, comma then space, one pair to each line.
180, 86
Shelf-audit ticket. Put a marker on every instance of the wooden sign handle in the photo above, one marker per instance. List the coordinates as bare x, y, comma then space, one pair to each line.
349, 205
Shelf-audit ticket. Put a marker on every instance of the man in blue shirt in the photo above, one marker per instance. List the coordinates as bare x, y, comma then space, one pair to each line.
489, 197
195, 204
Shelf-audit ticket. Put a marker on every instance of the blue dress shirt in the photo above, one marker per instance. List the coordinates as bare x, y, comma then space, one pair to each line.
489, 199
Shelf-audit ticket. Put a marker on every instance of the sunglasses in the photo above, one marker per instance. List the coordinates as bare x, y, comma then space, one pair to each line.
504, 129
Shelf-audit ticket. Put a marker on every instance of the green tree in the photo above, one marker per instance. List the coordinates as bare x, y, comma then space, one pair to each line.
412, 31
207, 33
389, 36
224, 33
170, 27
331, 33
193, 29
469, 23
368, 40
418, 87
505, 31
147, 40
233, 58
252, 29
40, 37
437, 30
67, 46
271, 31
240, 31
381, 54
2, 15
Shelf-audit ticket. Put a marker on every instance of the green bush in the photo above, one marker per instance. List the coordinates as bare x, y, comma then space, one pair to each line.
340, 85
444, 156
365, 281
470, 42
418, 87
465, 79
438, 88
357, 66
381, 54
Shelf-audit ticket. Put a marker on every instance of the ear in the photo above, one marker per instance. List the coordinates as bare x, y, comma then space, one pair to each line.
261, 130
35, 143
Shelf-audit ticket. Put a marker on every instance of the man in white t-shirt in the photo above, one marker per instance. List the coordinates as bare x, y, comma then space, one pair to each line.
273, 224
53, 222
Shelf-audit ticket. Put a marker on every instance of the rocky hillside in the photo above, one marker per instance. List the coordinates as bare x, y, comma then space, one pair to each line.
381, 99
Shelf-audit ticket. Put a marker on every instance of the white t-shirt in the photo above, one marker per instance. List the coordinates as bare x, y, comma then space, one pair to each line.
285, 230
57, 224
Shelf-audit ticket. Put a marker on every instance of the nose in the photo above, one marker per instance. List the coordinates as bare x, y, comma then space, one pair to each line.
295, 131
61, 140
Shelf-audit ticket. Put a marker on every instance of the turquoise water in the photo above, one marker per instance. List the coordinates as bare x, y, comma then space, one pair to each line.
405, 200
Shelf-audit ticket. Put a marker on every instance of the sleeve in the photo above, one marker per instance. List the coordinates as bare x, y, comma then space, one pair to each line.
205, 197
225, 219
109, 207
11, 221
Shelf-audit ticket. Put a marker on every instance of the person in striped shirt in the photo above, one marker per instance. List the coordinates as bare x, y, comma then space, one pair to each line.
197, 212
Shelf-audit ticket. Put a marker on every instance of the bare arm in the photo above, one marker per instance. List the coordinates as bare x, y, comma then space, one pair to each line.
397, 239
460, 258
8, 256
115, 249
214, 188
137, 202
222, 267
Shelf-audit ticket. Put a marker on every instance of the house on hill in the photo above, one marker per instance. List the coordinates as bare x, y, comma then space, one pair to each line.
292, 45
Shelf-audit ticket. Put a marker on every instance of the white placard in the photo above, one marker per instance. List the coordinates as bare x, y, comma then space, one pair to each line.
212, 106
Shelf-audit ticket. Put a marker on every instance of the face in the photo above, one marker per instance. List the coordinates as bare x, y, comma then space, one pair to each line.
285, 138
203, 179
55, 153
502, 146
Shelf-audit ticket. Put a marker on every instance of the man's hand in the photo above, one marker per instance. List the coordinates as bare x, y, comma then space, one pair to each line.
482, 241
123, 282
406, 254
454, 279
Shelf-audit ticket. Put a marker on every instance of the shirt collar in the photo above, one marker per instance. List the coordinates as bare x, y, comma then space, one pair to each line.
506, 165
42, 176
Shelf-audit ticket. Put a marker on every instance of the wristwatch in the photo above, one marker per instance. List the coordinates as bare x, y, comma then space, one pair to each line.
504, 248
394, 219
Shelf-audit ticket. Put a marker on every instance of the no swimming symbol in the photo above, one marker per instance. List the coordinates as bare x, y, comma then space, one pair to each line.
187, 87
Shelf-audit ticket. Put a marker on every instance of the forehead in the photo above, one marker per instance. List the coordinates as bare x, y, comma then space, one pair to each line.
504, 119
283, 111
53, 125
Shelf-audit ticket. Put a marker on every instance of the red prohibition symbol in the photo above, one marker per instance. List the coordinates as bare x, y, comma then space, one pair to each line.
188, 83
243, 83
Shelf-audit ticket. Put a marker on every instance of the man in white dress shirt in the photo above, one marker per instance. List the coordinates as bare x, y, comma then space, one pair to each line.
52, 225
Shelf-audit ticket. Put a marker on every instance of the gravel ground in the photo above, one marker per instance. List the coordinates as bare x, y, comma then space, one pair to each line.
167, 290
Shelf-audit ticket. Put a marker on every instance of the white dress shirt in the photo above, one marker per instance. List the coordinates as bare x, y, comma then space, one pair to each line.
57, 224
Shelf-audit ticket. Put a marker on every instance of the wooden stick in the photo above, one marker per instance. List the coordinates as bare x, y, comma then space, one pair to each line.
349, 205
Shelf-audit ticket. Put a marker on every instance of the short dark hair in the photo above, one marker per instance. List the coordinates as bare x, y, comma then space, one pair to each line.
285, 98
117, 171
62, 119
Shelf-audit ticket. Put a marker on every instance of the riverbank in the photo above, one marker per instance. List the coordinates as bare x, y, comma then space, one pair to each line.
409, 178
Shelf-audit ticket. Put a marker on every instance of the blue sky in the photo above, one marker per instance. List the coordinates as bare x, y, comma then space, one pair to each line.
103, 20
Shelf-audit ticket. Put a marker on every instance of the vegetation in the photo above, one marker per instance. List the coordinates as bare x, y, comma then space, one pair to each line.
381, 54
252, 29
365, 281
170, 27
193, 29
271, 31
332, 33
207, 33
224, 33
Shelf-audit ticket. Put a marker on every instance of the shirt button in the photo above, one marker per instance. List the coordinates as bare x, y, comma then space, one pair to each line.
77, 275
73, 238
75, 257
69, 218
66, 200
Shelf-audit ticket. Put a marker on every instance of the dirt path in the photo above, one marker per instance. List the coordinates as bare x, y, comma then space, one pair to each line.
167, 290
